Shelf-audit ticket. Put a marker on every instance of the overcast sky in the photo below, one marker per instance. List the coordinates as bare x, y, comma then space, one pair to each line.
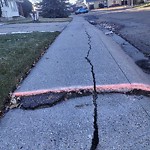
72, 1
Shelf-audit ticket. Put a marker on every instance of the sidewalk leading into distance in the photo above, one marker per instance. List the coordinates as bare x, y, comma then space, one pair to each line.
64, 64
82, 57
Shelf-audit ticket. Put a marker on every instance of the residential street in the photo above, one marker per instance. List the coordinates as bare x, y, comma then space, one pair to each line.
85, 93
131, 24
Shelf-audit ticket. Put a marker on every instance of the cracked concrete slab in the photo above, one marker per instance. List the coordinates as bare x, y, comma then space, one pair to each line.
105, 68
64, 64
66, 126
111, 64
123, 123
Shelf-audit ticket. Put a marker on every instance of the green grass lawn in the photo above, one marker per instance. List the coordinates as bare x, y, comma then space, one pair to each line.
18, 52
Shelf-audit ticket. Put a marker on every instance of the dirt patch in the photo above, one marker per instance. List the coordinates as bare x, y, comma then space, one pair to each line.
111, 26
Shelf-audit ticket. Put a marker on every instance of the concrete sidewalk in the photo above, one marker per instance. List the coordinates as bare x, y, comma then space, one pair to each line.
81, 56
64, 64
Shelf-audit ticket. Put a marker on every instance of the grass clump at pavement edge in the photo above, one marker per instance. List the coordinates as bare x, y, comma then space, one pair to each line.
18, 52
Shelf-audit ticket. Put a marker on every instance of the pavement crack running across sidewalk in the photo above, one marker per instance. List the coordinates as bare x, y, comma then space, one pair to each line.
95, 139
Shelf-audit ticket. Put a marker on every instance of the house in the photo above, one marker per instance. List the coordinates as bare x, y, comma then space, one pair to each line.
92, 4
115, 2
9, 8
79, 4
95, 4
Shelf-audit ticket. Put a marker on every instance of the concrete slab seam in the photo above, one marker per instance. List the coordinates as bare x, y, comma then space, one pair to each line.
116, 62
145, 110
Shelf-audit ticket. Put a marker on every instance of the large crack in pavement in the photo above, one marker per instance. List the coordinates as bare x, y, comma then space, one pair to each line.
95, 139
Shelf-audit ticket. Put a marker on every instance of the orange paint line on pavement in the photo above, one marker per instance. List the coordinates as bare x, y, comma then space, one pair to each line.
100, 88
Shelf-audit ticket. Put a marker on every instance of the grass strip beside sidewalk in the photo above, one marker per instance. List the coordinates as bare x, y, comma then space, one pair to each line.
41, 20
18, 53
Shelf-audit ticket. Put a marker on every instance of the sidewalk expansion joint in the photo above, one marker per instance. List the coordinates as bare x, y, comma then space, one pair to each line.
116, 63
145, 111
95, 139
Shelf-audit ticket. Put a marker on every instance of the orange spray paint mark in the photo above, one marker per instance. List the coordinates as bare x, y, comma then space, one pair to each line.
99, 88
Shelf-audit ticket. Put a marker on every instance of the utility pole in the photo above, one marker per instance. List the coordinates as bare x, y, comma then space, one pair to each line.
131, 3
